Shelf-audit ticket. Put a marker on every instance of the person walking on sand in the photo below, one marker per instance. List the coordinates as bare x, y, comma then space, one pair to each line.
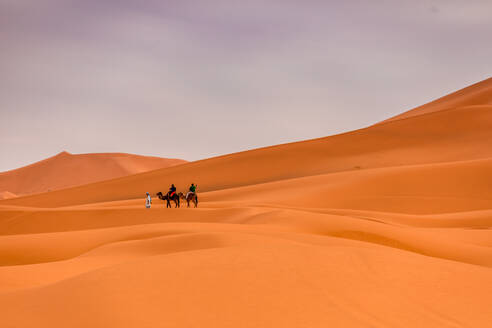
148, 201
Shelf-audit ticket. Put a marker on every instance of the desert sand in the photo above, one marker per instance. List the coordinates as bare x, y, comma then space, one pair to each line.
68, 170
386, 226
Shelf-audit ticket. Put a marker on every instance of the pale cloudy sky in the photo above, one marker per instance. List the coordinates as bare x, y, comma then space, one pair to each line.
195, 79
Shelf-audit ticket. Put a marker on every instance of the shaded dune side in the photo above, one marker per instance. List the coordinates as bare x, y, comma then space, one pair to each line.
454, 135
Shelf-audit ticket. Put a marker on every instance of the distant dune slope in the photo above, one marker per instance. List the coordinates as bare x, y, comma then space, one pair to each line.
66, 170
456, 134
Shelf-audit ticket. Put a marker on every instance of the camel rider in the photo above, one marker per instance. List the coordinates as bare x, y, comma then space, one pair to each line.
191, 191
172, 190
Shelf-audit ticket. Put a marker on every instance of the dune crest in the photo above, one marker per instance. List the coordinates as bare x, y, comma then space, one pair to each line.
67, 170
477, 94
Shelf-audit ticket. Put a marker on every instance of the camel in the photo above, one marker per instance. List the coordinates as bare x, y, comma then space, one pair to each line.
167, 198
191, 196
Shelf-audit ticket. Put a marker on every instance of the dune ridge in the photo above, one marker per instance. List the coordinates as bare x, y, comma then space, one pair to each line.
67, 170
386, 226
479, 93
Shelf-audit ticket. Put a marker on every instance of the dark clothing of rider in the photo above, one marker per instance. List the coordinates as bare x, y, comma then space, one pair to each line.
192, 188
172, 190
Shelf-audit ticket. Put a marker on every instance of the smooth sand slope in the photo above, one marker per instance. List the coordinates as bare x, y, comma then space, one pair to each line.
66, 170
388, 226
460, 134
476, 94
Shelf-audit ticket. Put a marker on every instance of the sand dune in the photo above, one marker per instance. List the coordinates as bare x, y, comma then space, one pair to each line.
477, 94
453, 135
66, 170
459, 186
388, 226
255, 262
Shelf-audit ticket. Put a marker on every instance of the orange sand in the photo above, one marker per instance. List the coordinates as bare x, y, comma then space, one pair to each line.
388, 226
7, 194
66, 170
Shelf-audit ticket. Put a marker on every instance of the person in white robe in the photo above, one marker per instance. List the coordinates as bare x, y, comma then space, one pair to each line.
148, 201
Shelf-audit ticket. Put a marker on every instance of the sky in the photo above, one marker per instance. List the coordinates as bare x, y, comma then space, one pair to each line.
196, 79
